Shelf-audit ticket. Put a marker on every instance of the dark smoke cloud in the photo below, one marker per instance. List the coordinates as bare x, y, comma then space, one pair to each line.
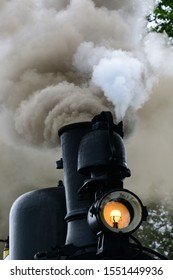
42, 76
64, 62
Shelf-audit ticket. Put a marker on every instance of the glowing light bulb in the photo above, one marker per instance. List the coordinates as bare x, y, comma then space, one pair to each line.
115, 217
116, 214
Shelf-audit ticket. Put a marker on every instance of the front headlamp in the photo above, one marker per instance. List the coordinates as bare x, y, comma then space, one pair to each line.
119, 211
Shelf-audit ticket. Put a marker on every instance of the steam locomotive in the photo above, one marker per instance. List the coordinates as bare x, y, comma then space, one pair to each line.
88, 216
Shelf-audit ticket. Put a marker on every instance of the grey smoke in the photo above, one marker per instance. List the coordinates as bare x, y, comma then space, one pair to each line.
64, 62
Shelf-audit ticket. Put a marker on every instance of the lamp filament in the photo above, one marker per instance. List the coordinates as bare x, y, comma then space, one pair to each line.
115, 216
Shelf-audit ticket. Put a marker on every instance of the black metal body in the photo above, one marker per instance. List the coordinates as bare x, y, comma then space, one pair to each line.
52, 223
37, 223
78, 232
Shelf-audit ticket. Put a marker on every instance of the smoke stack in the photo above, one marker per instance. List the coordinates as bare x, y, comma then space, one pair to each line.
78, 233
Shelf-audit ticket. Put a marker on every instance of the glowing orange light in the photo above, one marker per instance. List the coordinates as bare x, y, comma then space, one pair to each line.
116, 214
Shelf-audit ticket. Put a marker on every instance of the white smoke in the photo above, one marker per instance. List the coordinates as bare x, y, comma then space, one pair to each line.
64, 62
124, 79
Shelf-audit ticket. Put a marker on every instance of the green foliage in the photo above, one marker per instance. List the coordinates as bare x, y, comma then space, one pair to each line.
162, 18
157, 232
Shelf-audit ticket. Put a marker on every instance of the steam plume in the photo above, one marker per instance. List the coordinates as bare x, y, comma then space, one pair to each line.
64, 62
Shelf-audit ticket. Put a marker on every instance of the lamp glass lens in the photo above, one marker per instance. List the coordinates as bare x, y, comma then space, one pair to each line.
116, 214
120, 211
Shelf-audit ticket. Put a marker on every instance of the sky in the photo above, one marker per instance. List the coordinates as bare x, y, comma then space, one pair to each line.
65, 61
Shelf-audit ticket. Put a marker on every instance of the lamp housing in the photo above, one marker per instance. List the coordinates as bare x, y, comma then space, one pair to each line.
117, 211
